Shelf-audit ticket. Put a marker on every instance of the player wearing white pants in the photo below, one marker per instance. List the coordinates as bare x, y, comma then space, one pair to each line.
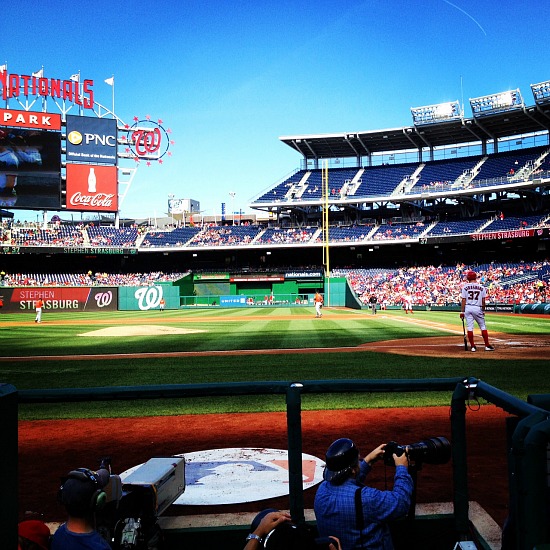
318, 299
473, 295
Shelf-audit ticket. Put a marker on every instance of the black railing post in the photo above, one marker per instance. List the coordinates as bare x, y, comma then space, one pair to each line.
460, 468
294, 428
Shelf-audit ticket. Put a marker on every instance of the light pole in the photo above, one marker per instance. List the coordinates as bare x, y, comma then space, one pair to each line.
232, 195
170, 212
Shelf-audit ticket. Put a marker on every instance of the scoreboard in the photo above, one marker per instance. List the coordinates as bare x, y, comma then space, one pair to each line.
45, 165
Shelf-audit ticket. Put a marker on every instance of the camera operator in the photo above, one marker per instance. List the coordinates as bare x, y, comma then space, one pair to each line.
82, 495
347, 508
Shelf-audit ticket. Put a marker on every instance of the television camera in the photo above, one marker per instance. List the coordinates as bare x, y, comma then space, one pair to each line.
129, 519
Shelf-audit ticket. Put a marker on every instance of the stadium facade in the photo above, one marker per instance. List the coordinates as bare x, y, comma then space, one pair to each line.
442, 190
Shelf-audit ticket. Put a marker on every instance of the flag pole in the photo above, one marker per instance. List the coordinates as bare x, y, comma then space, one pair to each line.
113, 90
4, 68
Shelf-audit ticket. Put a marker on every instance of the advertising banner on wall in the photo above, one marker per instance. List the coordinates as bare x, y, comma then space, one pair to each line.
92, 188
63, 299
91, 140
30, 168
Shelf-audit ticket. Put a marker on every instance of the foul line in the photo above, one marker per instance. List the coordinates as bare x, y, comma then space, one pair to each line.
425, 324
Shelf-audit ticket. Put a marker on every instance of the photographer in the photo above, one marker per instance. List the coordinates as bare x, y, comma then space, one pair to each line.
82, 495
357, 514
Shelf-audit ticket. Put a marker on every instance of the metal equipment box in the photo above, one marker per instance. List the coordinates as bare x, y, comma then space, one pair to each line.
165, 476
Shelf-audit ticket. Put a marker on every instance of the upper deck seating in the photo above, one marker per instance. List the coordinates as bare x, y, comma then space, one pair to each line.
444, 172
170, 238
506, 165
354, 233
55, 236
382, 180
511, 223
462, 227
399, 231
111, 236
226, 235
274, 235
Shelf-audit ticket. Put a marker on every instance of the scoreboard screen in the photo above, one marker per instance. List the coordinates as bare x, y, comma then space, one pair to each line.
30, 168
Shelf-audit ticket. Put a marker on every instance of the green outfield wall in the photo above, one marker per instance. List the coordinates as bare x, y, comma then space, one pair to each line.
144, 298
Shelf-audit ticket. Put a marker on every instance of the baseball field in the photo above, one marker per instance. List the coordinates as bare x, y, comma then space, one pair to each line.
259, 344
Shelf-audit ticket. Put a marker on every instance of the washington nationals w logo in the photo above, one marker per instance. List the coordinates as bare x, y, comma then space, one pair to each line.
148, 297
148, 140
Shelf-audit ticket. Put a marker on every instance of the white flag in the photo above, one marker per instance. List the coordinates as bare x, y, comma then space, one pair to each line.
3, 68
75, 77
110, 81
39, 74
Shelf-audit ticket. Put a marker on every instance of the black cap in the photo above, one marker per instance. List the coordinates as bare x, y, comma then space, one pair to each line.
340, 458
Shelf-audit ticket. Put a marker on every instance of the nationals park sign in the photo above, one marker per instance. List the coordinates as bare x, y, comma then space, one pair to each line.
16, 85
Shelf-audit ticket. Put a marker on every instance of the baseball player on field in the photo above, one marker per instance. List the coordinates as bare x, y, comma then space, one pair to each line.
473, 296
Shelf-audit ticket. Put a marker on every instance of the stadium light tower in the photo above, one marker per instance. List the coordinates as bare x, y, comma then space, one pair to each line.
232, 195
496, 103
441, 112
541, 92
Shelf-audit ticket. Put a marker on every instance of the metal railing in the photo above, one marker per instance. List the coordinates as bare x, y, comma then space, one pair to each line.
530, 516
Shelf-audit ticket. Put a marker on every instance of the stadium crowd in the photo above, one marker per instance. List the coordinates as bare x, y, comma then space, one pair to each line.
522, 283
430, 285
88, 279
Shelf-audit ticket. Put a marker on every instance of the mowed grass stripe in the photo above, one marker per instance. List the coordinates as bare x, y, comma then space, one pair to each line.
254, 329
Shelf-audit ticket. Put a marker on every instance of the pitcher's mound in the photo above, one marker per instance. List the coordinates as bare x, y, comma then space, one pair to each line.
140, 330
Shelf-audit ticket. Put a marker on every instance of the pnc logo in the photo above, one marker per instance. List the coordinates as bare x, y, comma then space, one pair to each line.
75, 137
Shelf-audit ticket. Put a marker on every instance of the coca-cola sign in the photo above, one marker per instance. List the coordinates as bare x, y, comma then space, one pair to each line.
92, 188
97, 200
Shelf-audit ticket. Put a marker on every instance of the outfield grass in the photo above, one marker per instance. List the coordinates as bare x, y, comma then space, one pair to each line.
247, 329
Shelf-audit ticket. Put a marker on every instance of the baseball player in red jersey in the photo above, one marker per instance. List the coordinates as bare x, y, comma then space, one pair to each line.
473, 296
39, 304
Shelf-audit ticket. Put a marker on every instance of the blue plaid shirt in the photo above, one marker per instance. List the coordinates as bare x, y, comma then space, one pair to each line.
335, 509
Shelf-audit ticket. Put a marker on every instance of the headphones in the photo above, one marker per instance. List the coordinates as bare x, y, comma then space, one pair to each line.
99, 497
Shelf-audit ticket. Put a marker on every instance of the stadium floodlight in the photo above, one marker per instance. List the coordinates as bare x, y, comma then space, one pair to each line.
496, 103
441, 112
541, 92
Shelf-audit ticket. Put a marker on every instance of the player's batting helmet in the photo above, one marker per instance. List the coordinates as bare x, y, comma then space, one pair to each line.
471, 275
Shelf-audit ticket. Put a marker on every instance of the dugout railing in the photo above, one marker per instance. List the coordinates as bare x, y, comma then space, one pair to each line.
528, 433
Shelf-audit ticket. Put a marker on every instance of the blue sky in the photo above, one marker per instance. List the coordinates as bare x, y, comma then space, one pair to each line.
229, 78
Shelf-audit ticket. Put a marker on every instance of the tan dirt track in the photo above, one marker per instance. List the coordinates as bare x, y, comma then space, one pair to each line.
49, 449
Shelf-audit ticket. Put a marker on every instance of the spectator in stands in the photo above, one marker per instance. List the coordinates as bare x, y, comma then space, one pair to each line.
357, 514
33, 535
82, 495
274, 530
541, 288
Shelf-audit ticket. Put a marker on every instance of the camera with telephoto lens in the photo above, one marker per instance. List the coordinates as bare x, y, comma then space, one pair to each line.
435, 450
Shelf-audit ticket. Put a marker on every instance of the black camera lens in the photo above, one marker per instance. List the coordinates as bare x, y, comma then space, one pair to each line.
435, 450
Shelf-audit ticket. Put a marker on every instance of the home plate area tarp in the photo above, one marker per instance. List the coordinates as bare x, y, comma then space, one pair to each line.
236, 475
